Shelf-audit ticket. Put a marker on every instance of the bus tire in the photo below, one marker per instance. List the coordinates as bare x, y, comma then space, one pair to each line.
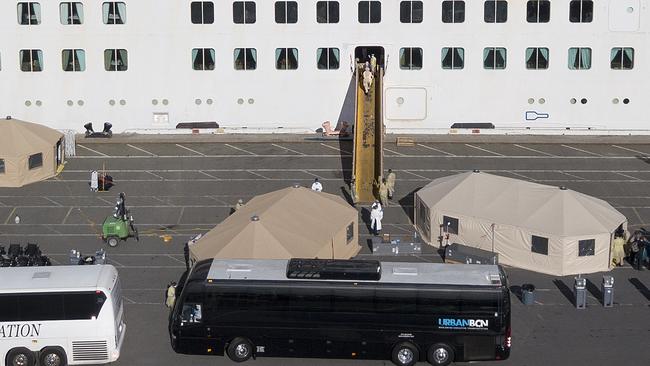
20, 356
112, 241
52, 356
239, 349
440, 354
405, 354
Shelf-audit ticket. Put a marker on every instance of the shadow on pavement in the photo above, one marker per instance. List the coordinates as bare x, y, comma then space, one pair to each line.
407, 203
595, 291
641, 287
565, 290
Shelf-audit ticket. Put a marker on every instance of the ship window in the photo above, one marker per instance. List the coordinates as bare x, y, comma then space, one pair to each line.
245, 58
369, 11
453, 11
29, 13
116, 60
202, 12
328, 58
71, 13
538, 11
410, 58
35, 161
536, 58
539, 245
114, 12
581, 11
494, 58
31, 60
286, 58
243, 12
286, 12
410, 12
495, 11
73, 60
579, 58
327, 11
622, 58
586, 247
203, 58
453, 58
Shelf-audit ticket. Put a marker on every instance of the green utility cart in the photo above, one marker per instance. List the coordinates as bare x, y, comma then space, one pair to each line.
119, 225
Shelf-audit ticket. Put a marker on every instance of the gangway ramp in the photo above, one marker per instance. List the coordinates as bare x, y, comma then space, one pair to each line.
368, 138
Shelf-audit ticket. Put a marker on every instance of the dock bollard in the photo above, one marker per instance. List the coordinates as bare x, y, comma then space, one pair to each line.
608, 291
580, 292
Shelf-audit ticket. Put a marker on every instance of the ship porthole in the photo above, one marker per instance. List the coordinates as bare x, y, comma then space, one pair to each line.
572, 101
531, 100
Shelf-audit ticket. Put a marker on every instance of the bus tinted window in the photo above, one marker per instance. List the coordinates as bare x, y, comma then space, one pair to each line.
394, 301
9, 310
41, 307
438, 302
83, 305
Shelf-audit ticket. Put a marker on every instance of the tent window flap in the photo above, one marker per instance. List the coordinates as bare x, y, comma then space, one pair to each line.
539, 245
586, 247
35, 161
450, 224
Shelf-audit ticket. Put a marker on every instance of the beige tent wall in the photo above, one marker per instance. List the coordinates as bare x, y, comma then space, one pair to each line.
599, 262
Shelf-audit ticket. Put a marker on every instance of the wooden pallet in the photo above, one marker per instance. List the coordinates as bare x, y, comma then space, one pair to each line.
405, 141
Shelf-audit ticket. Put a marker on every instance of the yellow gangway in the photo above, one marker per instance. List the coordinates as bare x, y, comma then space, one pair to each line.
367, 159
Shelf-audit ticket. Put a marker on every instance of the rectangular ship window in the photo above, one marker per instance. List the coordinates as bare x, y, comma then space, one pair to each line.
579, 58
622, 58
245, 58
286, 12
494, 58
410, 11
453, 58
537, 58
202, 12
328, 58
29, 13
73, 60
538, 11
71, 13
116, 60
203, 58
31, 60
244, 12
114, 12
410, 58
581, 11
369, 11
327, 11
495, 11
453, 11
286, 58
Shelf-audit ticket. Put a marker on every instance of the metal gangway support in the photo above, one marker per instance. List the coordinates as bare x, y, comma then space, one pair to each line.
367, 159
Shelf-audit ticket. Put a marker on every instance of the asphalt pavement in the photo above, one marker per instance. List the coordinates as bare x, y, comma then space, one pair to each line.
181, 189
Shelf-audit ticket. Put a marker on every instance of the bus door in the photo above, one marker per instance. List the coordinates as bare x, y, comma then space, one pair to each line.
190, 325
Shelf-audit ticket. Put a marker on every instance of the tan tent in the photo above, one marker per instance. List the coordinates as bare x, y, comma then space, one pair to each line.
289, 223
28, 152
532, 226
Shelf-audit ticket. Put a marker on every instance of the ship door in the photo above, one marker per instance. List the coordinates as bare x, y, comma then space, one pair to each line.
362, 53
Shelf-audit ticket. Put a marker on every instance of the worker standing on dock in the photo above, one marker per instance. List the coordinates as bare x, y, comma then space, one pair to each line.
390, 183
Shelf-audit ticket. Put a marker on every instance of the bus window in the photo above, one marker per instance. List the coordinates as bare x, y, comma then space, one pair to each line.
9, 310
438, 302
191, 313
41, 307
85, 305
394, 301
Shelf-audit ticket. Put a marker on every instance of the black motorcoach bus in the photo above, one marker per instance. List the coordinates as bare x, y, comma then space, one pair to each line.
405, 312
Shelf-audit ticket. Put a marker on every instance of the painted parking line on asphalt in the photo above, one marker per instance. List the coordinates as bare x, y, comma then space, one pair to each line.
417, 175
288, 149
625, 175
484, 150
240, 149
140, 149
260, 175
190, 150
631, 150
91, 150
334, 148
581, 150
434, 149
533, 150
394, 152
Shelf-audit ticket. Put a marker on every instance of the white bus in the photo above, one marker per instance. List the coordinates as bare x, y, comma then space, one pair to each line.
60, 315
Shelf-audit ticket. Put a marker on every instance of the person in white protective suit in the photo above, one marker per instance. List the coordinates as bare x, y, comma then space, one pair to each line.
367, 80
316, 186
94, 181
376, 215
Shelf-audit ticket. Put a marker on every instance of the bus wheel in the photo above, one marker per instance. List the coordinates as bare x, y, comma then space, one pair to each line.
440, 354
52, 356
112, 241
20, 357
405, 354
239, 349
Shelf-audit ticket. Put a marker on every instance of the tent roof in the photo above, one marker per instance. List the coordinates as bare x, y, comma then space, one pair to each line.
19, 138
508, 201
292, 222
